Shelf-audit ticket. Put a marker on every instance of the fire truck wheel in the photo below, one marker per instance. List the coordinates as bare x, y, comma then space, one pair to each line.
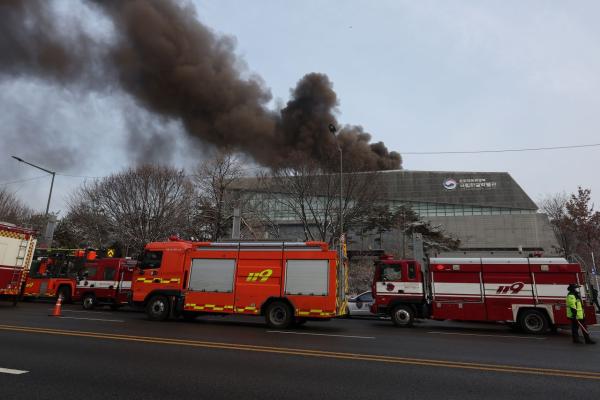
279, 315
89, 302
533, 322
403, 315
158, 308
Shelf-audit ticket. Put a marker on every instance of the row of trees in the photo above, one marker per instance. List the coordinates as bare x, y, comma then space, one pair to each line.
575, 223
152, 202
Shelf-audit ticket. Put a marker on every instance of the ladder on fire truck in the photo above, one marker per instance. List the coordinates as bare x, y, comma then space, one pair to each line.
18, 271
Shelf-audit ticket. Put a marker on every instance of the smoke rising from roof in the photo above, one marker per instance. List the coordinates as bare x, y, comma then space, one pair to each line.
176, 67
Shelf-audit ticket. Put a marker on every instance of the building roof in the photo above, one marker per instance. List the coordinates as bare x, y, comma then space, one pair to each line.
483, 189
486, 189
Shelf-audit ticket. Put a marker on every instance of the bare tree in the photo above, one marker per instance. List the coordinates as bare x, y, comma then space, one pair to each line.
84, 225
575, 223
584, 222
215, 200
555, 207
136, 206
310, 195
12, 209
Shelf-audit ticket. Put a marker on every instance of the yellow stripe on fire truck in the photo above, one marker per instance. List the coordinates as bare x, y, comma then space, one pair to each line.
158, 280
313, 312
247, 309
208, 307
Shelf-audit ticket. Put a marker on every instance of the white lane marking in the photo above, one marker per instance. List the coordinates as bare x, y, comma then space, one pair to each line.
478, 334
12, 371
322, 334
94, 319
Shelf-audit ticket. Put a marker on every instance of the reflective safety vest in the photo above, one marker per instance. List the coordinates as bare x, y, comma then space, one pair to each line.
574, 302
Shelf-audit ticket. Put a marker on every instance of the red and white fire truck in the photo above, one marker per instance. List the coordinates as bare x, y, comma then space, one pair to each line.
105, 281
528, 292
16, 253
285, 282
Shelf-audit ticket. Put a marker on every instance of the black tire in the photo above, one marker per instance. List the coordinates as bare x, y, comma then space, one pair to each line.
89, 302
533, 322
403, 315
158, 308
65, 292
279, 315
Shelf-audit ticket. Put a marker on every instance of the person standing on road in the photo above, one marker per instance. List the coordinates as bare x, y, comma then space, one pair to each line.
575, 314
595, 297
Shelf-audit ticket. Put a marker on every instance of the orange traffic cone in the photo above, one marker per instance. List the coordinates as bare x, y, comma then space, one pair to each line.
57, 307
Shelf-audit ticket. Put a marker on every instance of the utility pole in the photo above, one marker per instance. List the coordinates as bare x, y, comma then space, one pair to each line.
53, 173
333, 130
49, 234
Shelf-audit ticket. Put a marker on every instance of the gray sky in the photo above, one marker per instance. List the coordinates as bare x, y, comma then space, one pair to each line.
420, 76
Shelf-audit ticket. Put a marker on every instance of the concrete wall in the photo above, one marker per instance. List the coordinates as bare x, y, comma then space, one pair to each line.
501, 231
480, 235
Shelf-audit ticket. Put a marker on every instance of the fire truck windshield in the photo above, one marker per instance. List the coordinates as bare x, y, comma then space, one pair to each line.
151, 259
391, 272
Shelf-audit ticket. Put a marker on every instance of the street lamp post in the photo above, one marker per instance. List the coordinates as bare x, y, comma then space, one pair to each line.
53, 173
333, 130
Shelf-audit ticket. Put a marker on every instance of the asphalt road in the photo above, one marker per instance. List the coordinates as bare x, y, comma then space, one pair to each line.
105, 355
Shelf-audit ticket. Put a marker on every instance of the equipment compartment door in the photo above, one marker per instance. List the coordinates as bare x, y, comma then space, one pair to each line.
505, 285
457, 292
258, 278
210, 287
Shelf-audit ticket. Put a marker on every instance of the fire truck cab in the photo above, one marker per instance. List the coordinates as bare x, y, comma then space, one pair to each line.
286, 282
527, 292
105, 281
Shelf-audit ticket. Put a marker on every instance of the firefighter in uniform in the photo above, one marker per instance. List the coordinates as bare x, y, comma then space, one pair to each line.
575, 314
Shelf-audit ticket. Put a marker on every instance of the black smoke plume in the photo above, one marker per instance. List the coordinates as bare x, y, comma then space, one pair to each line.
176, 67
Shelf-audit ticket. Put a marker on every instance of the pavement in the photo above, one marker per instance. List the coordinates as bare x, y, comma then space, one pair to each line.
120, 354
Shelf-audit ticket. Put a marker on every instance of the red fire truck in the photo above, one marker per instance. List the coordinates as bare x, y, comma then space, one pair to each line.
16, 253
105, 281
528, 292
285, 282
54, 273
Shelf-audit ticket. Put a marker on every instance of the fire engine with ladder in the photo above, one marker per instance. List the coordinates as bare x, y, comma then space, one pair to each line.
94, 277
527, 292
17, 246
54, 273
285, 282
